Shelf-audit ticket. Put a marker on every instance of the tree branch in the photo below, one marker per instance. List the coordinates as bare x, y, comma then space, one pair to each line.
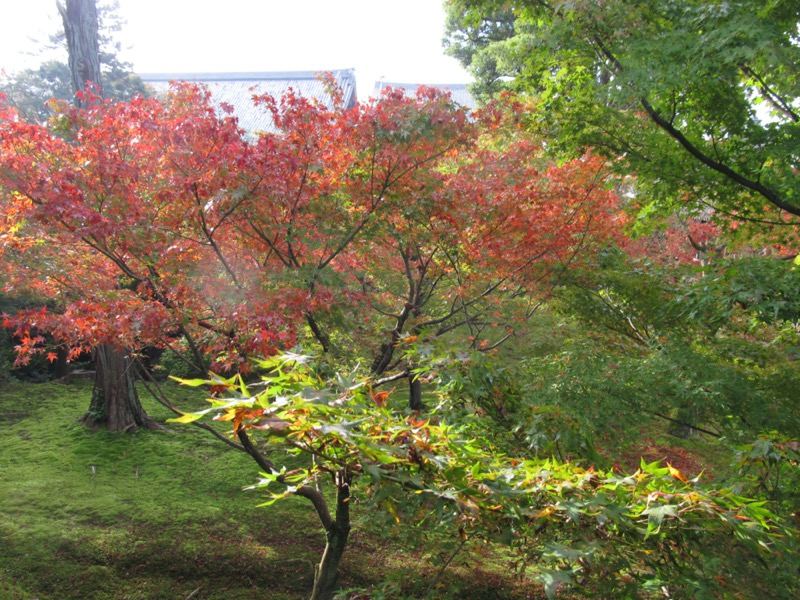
769, 194
770, 96
684, 424
159, 396
390, 378
305, 491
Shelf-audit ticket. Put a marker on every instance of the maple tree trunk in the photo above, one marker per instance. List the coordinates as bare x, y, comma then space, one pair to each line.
115, 403
326, 573
382, 360
80, 28
385, 355
414, 393
322, 337
62, 363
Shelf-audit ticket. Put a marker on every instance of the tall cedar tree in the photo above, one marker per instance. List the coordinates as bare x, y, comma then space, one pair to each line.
115, 403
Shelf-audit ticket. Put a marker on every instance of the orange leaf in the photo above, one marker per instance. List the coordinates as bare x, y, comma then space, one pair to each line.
380, 397
677, 474
52, 357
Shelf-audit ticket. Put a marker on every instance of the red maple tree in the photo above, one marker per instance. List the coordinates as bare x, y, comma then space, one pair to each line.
162, 223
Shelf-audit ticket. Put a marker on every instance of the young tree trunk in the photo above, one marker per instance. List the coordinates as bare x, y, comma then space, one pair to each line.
115, 403
337, 528
326, 573
80, 28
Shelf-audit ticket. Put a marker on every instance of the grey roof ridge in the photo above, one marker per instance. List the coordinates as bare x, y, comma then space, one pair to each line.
242, 76
436, 85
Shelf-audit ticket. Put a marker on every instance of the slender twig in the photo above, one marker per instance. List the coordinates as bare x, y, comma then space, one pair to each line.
194, 593
684, 424
449, 560
390, 378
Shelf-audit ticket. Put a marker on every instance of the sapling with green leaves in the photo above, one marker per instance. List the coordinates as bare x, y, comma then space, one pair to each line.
441, 468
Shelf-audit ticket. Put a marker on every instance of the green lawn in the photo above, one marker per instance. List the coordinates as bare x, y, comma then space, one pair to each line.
162, 515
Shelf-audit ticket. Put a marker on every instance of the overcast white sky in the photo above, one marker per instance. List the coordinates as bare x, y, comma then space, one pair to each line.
399, 41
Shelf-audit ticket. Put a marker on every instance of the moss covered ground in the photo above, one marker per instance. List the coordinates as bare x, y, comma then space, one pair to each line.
162, 515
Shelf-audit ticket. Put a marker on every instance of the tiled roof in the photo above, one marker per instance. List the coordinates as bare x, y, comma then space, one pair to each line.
237, 89
458, 91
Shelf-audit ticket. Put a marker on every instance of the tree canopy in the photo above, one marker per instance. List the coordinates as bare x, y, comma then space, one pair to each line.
697, 99
346, 222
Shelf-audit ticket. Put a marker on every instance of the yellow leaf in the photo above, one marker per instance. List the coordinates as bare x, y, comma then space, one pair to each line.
694, 498
392, 510
544, 513
185, 418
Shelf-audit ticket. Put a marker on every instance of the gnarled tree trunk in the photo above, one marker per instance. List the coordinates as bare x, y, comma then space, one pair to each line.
115, 403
